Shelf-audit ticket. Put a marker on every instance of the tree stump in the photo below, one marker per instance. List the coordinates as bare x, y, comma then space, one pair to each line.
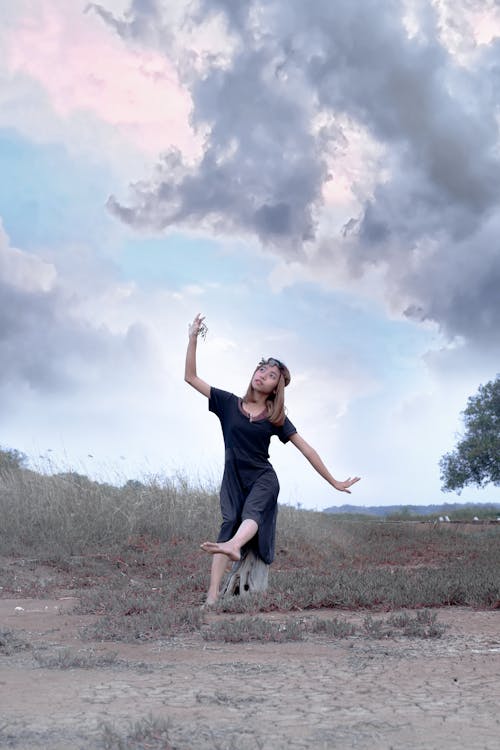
247, 576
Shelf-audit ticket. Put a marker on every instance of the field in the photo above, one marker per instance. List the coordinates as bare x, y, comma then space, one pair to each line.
373, 634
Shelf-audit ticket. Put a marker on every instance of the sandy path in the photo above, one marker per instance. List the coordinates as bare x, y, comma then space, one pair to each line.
352, 693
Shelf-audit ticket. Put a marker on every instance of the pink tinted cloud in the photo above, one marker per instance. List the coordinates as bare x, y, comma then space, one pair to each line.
84, 67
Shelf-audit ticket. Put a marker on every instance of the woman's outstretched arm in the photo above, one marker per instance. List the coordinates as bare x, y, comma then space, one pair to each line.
190, 375
315, 461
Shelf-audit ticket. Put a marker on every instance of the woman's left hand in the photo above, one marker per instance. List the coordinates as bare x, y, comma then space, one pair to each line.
198, 327
344, 486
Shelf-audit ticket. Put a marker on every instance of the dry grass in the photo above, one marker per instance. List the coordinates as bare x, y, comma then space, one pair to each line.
247, 628
131, 555
423, 625
67, 658
11, 643
67, 514
149, 734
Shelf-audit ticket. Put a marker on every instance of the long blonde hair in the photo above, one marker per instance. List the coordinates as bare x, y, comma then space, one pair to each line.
275, 402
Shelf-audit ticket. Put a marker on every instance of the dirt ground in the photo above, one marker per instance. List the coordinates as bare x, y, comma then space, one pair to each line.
356, 692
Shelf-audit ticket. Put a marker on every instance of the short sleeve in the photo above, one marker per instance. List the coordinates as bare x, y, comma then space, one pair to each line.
286, 431
219, 401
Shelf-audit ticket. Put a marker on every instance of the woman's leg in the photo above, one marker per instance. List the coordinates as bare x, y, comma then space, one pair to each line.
232, 503
223, 552
231, 548
219, 565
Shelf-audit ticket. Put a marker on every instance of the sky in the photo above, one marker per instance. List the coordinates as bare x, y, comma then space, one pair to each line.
320, 180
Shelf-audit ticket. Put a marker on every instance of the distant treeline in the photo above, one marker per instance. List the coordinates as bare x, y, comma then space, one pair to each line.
481, 510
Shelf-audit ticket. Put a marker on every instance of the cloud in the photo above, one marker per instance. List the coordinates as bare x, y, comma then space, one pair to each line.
93, 364
66, 78
279, 108
261, 171
47, 344
465, 25
24, 272
83, 68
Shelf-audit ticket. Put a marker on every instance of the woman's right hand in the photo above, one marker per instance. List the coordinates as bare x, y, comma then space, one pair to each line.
196, 326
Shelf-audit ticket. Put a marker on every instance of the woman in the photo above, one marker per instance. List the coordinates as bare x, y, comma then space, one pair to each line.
249, 490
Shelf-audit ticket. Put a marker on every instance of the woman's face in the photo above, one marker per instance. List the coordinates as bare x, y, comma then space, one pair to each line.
265, 378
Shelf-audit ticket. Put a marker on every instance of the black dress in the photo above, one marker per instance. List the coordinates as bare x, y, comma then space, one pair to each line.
250, 486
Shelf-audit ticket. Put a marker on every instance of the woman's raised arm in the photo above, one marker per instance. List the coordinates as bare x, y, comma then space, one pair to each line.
190, 375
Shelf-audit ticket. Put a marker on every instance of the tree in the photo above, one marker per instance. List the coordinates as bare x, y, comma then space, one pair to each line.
476, 458
12, 459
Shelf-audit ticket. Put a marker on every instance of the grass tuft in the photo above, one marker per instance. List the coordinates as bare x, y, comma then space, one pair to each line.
144, 626
11, 643
247, 629
423, 625
150, 733
334, 628
66, 658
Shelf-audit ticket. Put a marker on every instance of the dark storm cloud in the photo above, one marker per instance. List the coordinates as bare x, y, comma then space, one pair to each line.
252, 177
430, 222
39, 344
46, 345
143, 19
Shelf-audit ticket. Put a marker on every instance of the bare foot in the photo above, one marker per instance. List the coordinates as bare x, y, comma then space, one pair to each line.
222, 548
209, 603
